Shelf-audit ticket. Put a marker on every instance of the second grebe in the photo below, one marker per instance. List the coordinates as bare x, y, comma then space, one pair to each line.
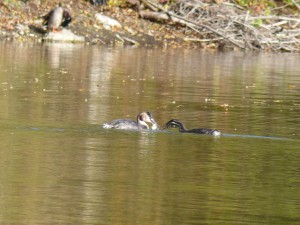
141, 123
182, 129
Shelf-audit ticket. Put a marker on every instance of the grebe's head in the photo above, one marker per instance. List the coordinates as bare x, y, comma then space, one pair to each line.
172, 123
146, 117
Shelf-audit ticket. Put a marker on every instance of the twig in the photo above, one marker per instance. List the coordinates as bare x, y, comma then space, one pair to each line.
274, 18
296, 4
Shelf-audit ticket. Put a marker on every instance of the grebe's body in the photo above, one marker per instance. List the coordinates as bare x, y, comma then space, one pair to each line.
182, 128
141, 123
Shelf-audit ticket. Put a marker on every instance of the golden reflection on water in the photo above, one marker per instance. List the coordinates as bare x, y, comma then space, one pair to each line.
60, 166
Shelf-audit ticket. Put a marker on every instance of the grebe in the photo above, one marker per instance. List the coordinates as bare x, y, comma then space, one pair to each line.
57, 17
182, 129
142, 120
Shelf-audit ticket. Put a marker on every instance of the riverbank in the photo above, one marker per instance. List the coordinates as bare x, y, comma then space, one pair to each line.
21, 22
162, 28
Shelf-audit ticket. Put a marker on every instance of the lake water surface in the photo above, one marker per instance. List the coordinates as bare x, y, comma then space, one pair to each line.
59, 166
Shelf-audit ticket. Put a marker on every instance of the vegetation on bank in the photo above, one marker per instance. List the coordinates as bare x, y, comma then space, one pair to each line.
243, 24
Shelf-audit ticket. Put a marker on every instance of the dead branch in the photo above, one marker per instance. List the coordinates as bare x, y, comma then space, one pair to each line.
274, 18
296, 4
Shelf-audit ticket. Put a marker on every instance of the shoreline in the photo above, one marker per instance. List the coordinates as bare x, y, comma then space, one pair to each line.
22, 22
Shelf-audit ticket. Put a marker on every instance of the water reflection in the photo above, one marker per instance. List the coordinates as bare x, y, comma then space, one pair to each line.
60, 166
234, 92
58, 53
101, 64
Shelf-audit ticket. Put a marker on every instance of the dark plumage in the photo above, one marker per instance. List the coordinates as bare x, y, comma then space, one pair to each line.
99, 2
182, 129
57, 17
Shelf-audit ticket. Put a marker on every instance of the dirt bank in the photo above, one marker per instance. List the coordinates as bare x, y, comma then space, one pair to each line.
21, 22
189, 24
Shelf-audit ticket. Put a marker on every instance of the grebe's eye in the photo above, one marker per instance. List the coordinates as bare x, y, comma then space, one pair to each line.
149, 114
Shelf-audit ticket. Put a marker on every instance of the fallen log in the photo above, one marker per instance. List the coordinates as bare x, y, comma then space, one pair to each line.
154, 15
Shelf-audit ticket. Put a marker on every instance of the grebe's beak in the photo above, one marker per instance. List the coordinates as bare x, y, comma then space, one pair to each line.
167, 125
155, 126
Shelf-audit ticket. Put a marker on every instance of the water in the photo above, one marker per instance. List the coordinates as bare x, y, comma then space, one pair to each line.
59, 166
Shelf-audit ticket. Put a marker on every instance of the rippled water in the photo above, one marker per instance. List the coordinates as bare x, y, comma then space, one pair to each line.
59, 166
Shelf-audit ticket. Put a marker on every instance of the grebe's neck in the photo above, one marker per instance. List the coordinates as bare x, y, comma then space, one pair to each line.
142, 124
181, 126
